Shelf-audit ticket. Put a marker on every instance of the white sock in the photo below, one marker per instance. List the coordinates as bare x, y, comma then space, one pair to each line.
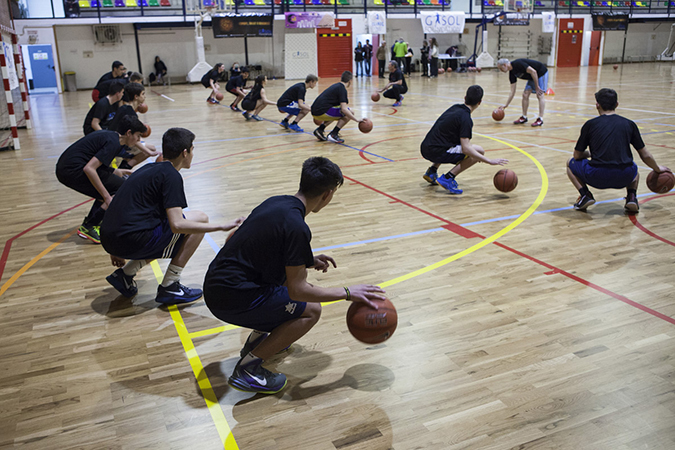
172, 274
248, 359
255, 334
132, 267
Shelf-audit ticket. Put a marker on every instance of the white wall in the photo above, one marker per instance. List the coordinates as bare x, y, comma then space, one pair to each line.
45, 36
646, 39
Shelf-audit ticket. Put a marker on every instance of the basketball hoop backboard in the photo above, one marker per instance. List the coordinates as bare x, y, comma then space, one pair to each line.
519, 6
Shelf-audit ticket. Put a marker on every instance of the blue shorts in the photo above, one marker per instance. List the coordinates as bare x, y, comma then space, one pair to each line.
543, 82
293, 109
602, 177
159, 243
271, 309
452, 155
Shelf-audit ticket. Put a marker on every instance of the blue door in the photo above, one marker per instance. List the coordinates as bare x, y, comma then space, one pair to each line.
42, 66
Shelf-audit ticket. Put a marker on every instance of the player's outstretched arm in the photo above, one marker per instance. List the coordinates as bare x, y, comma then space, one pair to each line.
91, 173
469, 149
181, 225
265, 99
302, 291
347, 112
511, 95
648, 159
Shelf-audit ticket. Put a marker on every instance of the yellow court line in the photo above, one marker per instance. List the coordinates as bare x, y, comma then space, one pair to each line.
494, 237
223, 428
210, 331
30, 263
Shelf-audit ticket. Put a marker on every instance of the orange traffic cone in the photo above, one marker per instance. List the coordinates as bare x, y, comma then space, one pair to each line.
549, 91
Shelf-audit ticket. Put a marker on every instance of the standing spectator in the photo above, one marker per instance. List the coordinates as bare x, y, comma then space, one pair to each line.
368, 56
381, 58
434, 59
160, 70
400, 49
235, 70
358, 58
408, 60
424, 58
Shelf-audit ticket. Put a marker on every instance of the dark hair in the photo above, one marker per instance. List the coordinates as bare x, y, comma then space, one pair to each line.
319, 175
311, 78
244, 69
175, 140
132, 90
115, 87
135, 77
607, 99
474, 95
130, 123
259, 80
116, 64
346, 76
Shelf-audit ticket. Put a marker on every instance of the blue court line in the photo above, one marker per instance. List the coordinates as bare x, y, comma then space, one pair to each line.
386, 238
212, 243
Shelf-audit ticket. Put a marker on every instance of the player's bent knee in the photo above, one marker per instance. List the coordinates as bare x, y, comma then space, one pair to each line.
197, 216
313, 311
479, 149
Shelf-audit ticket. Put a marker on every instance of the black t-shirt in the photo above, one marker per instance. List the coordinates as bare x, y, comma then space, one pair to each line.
358, 54
609, 137
255, 258
235, 82
140, 205
104, 145
122, 112
367, 52
292, 94
519, 69
330, 98
105, 77
104, 88
254, 94
103, 111
210, 75
454, 123
397, 75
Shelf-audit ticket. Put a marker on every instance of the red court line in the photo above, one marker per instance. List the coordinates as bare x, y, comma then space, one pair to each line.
8, 243
633, 218
395, 111
458, 229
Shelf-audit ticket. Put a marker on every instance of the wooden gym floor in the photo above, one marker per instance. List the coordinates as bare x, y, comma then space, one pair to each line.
522, 323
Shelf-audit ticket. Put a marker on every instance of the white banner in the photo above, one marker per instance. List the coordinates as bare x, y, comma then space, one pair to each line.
11, 70
548, 22
377, 22
442, 22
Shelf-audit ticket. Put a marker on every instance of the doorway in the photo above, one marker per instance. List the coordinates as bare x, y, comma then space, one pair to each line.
594, 55
570, 38
42, 70
335, 49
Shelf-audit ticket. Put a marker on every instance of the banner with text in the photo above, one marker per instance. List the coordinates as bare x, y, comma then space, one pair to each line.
310, 19
547, 22
242, 25
443, 22
377, 22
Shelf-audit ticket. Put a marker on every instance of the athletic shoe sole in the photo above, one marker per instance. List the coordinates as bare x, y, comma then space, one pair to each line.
429, 180
86, 236
245, 387
631, 207
585, 206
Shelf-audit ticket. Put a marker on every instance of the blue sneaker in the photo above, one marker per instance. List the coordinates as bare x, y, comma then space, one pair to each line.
253, 377
396, 104
284, 123
257, 117
246, 115
125, 284
177, 293
430, 177
449, 184
250, 345
295, 127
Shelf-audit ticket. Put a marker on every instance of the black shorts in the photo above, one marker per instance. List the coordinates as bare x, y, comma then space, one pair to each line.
81, 183
159, 243
452, 155
248, 105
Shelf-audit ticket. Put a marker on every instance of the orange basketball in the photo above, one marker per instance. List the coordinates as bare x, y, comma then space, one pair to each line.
660, 182
375, 97
441, 70
142, 108
505, 180
479, 69
219, 96
498, 114
147, 133
317, 121
372, 326
366, 126
449, 70
616, 66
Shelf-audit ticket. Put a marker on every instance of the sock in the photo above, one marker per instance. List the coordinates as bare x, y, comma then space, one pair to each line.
335, 131
450, 175
322, 127
132, 267
432, 169
285, 121
584, 191
248, 359
255, 334
295, 122
172, 274
632, 191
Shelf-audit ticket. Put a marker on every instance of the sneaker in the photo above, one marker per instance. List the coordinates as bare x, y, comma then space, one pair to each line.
125, 284
90, 233
285, 124
295, 127
257, 117
177, 293
450, 184
335, 139
319, 135
249, 346
521, 119
396, 104
253, 377
584, 201
631, 205
234, 108
537, 123
246, 115
430, 177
